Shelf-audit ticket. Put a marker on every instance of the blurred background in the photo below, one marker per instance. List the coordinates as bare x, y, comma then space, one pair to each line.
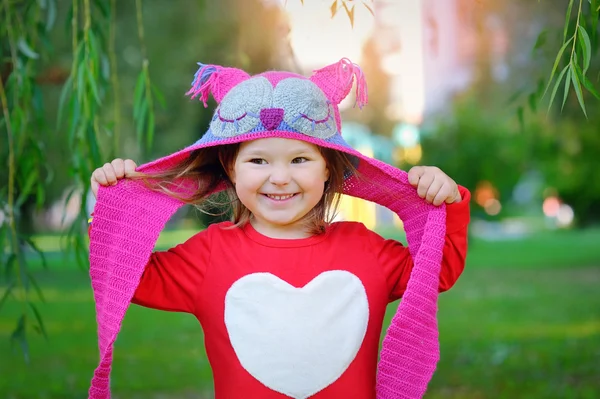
454, 83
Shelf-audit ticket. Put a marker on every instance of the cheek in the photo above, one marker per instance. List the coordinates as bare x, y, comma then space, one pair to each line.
248, 180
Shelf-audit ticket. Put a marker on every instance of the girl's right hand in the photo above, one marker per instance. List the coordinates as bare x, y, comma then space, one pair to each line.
110, 173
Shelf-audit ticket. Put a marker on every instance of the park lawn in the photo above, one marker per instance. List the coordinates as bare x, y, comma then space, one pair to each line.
522, 322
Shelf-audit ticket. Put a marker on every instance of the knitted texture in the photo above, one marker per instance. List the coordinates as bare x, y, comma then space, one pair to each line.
129, 217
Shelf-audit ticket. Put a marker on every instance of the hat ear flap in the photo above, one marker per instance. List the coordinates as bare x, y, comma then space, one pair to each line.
215, 80
336, 81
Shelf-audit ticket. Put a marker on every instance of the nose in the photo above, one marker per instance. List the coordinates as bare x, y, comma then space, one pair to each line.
280, 175
271, 117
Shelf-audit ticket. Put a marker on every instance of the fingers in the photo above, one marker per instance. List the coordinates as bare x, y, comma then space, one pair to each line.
95, 187
110, 173
130, 167
436, 189
425, 183
118, 167
444, 194
414, 174
433, 185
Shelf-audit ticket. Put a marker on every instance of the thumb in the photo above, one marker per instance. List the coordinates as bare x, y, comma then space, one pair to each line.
414, 174
95, 185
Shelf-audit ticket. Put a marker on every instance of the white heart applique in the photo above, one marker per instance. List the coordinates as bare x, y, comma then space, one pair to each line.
297, 341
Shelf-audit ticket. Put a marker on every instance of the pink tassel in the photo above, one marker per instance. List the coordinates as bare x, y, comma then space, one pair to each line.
336, 81
203, 83
362, 96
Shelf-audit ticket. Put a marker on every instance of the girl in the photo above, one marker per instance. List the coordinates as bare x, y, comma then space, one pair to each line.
291, 304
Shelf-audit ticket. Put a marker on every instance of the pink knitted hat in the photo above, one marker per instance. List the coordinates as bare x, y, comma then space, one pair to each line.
128, 217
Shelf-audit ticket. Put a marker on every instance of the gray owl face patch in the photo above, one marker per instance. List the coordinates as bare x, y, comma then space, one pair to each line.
295, 104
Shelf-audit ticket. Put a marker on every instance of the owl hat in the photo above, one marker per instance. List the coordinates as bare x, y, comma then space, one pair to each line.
129, 217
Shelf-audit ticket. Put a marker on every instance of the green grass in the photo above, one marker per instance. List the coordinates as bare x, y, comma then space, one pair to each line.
522, 322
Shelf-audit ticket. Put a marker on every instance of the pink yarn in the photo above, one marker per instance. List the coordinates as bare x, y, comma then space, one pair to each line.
128, 218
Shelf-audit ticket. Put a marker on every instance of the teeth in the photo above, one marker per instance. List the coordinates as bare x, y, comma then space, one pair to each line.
280, 197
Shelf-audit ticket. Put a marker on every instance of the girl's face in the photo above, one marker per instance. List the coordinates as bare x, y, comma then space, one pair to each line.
279, 181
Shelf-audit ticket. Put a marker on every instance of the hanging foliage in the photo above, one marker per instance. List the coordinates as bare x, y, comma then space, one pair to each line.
92, 131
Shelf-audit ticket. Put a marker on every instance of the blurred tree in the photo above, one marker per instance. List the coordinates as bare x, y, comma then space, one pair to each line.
481, 140
476, 145
103, 74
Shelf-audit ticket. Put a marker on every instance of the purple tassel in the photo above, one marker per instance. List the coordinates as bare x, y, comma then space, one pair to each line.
202, 85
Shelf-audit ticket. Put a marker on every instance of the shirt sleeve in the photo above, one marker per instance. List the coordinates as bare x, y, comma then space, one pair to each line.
172, 278
397, 263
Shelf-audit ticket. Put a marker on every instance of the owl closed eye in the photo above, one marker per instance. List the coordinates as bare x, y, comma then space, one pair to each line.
240, 109
307, 110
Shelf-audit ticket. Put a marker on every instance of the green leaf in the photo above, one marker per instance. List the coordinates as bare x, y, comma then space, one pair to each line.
25, 189
594, 9
141, 119
74, 117
18, 335
521, 118
3, 232
567, 19
556, 62
513, 97
38, 318
586, 46
567, 86
8, 268
577, 86
7, 293
532, 100
541, 40
540, 87
40, 196
65, 93
589, 86
25, 49
150, 130
159, 97
103, 7
92, 84
138, 93
50, 15
80, 81
92, 142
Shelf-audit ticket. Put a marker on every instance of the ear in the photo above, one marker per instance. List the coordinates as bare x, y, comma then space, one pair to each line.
336, 81
215, 80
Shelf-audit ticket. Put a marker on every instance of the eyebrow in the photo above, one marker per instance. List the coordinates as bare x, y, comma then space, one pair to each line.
293, 151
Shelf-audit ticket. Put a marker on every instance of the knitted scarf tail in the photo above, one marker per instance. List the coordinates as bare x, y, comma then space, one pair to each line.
410, 349
128, 219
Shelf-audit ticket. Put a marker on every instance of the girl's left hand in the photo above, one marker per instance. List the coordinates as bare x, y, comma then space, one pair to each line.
434, 185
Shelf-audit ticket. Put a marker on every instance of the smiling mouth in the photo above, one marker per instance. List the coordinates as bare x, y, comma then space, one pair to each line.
279, 197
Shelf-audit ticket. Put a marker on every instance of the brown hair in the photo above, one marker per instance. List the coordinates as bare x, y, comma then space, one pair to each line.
207, 168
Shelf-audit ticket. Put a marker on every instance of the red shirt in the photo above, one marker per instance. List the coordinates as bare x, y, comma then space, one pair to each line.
292, 318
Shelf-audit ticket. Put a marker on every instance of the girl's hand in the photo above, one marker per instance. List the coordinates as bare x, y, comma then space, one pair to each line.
433, 185
110, 173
